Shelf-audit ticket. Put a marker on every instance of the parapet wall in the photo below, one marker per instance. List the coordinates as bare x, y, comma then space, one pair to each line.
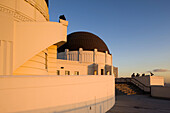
35, 94
86, 56
151, 80
160, 92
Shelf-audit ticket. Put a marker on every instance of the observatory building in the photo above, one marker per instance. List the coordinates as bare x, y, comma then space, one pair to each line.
88, 53
42, 69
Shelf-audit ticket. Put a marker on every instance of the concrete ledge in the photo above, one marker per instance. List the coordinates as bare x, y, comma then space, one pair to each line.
43, 93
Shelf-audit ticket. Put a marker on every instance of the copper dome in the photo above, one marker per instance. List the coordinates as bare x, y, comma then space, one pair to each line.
85, 40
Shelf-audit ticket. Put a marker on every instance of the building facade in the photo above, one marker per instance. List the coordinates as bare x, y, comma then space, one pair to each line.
30, 64
87, 50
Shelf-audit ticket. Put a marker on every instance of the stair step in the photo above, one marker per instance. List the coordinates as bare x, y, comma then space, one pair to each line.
128, 89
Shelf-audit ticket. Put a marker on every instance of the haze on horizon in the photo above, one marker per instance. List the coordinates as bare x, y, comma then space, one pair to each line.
137, 32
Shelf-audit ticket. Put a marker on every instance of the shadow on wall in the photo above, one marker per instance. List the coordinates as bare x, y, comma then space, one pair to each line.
93, 69
108, 70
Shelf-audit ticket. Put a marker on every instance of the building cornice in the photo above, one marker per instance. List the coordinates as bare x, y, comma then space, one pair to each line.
16, 14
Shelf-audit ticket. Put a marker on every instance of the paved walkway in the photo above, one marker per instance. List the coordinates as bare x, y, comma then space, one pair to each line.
140, 104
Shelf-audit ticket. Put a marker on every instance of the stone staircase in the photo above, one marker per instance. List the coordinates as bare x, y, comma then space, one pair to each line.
127, 89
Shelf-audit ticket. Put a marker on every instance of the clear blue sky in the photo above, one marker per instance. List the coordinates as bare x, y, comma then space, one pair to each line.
137, 32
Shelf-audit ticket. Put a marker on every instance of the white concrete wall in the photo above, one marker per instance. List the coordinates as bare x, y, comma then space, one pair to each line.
55, 64
109, 60
34, 66
25, 33
156, 80
42, 94
21, 10
86, 60
22, 41
5, 57
100, 58
32, 37
86, 57
6, 44
67, 65
151, 80
160, 92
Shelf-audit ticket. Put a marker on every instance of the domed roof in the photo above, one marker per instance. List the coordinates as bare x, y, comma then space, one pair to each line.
85, 40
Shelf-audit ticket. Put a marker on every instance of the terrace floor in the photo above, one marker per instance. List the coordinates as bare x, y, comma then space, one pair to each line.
140, 104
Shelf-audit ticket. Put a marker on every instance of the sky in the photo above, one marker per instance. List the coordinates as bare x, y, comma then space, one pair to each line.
137, 32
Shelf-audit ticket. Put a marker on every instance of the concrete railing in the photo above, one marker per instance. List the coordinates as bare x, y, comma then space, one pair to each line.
143, 82
160, 92
81, 94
